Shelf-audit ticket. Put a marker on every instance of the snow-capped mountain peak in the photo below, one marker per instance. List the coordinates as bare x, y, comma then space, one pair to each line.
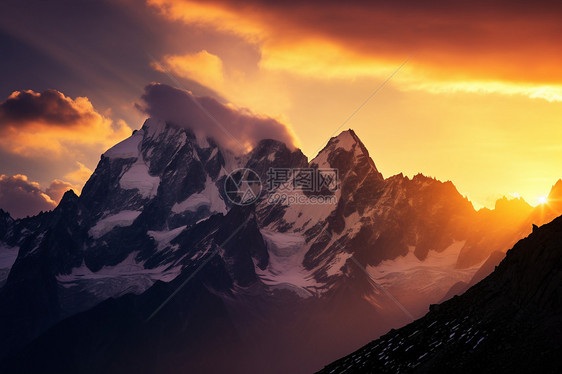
349, 155
346, 140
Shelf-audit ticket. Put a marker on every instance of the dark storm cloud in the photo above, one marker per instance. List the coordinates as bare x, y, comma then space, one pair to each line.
179, 107
50, 107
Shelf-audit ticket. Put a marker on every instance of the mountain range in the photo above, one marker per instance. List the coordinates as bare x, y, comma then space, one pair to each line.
153, 268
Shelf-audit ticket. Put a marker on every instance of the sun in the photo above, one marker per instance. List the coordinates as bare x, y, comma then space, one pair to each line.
542, 199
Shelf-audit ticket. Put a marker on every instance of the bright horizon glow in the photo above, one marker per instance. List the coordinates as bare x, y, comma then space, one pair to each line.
542, 200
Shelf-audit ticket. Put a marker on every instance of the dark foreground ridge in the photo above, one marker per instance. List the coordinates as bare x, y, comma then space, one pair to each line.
510, 322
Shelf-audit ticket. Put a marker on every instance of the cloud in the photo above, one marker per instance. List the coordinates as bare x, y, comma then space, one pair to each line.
550, 93
244, 129
50, 107
51, 124
499, 46
264, 92
80, 175
202, 66
57, 189
21, 197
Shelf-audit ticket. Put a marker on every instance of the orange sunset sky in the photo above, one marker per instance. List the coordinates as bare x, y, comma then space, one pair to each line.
474, 95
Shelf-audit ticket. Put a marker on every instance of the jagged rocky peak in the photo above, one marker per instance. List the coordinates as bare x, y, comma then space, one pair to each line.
360, 181
270, 153
556, 192
346, 152
510, 209
506, 203
130, 147
423, 192
347, 140
161, 170
4, 214
154, 125
272, 149
69, 195
68, 204
5, 221
156, 133
5, 217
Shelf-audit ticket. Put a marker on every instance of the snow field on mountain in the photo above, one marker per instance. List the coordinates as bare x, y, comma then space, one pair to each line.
111, 281
128, 148
163, 238
412, 280
285, 270
209, 197
137, 177
121, 219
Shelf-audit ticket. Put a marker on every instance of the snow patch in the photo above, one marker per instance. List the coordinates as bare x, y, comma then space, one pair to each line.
137, 177
445, 260
303, 215
415, 282
285, 269
154, 127
128, 148
210, 197
345, 140
111, 281
163, 238
338, 263
121, 219
127, 267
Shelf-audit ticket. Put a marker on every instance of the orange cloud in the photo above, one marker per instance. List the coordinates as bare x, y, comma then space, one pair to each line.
265, 93
203, 67
205, 13
50, 124
497, 47
80, 175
